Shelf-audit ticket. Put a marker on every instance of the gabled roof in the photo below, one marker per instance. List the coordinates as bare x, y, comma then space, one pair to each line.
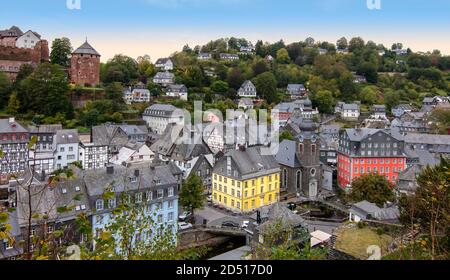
86, 48
16, 32
163, 60
67, 136
287, 154
7, 126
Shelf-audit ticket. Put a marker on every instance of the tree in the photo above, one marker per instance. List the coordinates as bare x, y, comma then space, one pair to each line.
356, 44
114, 91
5, 85
120, 68
283, 56
259, 67
342, 43
61, 52
397, 46
369, 95
429, 208
13, 104
145, 68
324, 100
368, 70
235, 78
192, 194
286, 135
219, 87
373, 188
193, 76
266, 86
46, 91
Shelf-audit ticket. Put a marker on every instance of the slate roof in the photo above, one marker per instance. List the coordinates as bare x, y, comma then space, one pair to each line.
352, 106
276, 212
14, 29
296, 88
433, 139
86, 48
287, 154
163, 61
67, 136
164, 75
47, 128
250, 162
357, 135
14, 127
365, 208
98, 180
177, 88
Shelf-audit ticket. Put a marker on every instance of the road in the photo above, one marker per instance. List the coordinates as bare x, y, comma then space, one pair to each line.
215, 217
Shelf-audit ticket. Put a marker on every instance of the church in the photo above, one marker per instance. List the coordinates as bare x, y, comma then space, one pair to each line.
299, 160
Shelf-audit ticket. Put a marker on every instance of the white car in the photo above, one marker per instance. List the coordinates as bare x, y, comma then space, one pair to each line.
245, 224
184, 226
184, 216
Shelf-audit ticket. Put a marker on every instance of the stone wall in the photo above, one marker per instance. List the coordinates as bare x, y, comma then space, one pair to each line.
12, 58
85, 70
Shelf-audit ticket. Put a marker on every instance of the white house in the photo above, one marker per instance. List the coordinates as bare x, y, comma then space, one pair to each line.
133, 153
159, 116
164, 78
350, 111
164, 64
229, 56
204, 56
179, 91
42, 162
65, 145
137, 95
93, 156
28, 40
247, 89
246, 104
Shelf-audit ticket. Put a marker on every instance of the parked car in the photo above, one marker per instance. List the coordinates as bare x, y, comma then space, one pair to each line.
184, 226
292, 206
186, 215
210, 198
230, 224
245, 224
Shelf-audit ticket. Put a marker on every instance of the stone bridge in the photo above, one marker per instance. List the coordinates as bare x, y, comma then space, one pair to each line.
207, 236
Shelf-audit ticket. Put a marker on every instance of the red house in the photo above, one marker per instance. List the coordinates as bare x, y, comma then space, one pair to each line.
366, 151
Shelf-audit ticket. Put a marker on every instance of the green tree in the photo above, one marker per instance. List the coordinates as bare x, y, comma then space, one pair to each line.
61, 52
342, 43
5, 87
369, 95
120, 68
429, 208
283, 56
266, 86
324, 100
356, 44
13, 104
46, 91
373, 188
114, 91
235, 78
286, 135
192, 194
219, 87
146, 69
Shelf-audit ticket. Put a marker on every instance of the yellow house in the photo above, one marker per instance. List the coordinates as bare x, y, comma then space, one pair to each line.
245, 180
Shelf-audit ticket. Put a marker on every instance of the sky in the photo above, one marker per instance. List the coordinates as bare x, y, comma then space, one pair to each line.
160, 27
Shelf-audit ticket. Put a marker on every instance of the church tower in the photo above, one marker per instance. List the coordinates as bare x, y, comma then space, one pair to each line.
308, 153
85, 66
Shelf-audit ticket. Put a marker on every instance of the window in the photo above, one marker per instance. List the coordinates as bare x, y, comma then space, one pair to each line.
138, 198
160, 219
99, 205
149, 195
112, 203
170, 204
170, 217
171, 191
160, 194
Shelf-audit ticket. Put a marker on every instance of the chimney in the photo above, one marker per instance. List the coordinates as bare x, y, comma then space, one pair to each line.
110, 169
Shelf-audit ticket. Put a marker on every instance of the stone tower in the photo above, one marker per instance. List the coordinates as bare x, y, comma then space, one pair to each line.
85, 66
308, 152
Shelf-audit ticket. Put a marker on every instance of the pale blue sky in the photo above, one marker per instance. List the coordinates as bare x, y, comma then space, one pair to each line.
160, 27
